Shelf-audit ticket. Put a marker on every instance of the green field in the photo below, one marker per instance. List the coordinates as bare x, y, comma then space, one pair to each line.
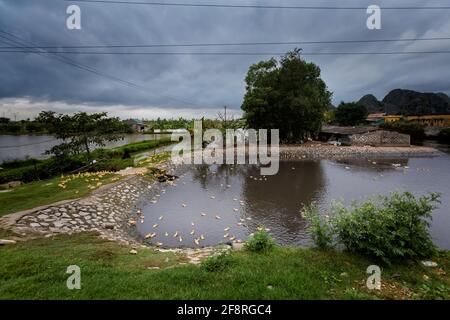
36, 269
38, 193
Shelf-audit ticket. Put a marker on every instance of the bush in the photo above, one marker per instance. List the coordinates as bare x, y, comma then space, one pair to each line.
444, 136
393, 227
142, 145
320, 226
261, 241
350, 114
415, 130
217, 262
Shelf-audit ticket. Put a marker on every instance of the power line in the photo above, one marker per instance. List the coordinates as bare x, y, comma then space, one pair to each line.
65, 60
234, 53
249, 6
80, 66
218, 44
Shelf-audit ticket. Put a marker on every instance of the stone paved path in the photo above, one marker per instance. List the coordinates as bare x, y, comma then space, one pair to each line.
107, 211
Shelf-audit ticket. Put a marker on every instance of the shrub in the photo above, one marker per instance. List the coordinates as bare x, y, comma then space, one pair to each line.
217, 262
415, 130
261, 241
393, 227
444, 135
320, 226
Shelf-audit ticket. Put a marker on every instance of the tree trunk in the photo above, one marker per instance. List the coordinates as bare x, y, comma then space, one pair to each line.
88, 152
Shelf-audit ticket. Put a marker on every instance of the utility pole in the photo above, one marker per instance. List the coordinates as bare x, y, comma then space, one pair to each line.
225, 117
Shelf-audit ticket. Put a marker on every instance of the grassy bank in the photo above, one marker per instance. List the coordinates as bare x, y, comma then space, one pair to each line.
36, 269
40, 193
106, 160
43, 192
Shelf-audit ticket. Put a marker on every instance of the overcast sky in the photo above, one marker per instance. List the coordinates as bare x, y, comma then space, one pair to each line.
192, 86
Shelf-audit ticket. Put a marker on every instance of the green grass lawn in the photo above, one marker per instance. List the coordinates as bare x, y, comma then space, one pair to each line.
36, 269
38, 193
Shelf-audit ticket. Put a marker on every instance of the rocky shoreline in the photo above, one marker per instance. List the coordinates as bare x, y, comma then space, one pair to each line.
315, 150
105, 211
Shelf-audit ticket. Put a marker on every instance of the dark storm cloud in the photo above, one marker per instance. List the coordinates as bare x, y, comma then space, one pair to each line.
202, 83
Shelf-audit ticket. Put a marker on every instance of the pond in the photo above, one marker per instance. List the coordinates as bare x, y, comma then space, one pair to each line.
19, 147
218, 204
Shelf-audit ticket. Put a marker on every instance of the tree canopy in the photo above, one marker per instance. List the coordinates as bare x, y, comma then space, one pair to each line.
81, 130
288, 95
350, 114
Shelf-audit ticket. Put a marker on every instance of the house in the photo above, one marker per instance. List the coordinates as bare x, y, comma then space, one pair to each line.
364, 136
375, 118
427, 120
137, 125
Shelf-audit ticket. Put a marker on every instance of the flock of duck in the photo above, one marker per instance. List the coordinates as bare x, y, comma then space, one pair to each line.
198, 236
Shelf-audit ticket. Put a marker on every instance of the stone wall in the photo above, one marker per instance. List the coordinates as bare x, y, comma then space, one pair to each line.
381, 138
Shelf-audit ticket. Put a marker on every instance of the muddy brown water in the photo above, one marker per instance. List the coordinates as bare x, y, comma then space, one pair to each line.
244, 200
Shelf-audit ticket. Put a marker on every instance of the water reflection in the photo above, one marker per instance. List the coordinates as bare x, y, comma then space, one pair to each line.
374, 165
276, 202
236, 200
244, 200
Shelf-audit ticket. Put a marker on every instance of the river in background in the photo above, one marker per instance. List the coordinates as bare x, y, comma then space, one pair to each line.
34, 146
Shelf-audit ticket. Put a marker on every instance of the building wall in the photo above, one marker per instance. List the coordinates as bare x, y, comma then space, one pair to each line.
430, 120
381, 138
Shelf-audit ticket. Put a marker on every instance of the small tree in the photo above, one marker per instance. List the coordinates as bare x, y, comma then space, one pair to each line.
80, 131
350, 114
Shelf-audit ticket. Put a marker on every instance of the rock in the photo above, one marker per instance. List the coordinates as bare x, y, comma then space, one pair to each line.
5, 242
269, 287
35, 225
429, 264
14, 184
133, 251
42, 216
344, 274
237, 246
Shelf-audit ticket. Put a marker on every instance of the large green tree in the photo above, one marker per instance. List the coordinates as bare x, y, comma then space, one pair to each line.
350, 114
79, 132
288, 95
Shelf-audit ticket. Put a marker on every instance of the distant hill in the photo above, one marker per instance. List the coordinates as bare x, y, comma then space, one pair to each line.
371, 103
408, 102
